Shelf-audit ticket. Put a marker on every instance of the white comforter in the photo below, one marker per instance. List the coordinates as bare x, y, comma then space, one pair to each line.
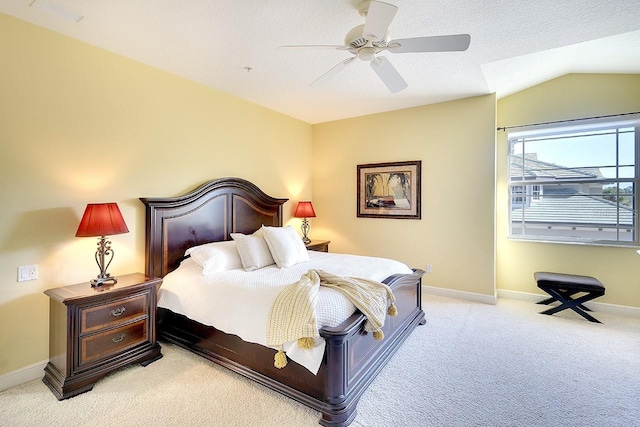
238, 302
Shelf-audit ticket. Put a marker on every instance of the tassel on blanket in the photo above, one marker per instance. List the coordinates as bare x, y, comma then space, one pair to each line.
392, 311
280, 359
306, 343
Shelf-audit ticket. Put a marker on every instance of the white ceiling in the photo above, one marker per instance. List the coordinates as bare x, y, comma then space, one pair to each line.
514, 45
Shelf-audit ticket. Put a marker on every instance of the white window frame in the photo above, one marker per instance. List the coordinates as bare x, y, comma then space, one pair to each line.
525, 191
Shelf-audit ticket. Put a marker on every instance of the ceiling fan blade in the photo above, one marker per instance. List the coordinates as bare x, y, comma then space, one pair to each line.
333, 71
452, 43
379, 17
315, 46
388, 74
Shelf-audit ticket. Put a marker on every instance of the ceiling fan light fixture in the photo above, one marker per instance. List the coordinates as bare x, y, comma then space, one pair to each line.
367, 54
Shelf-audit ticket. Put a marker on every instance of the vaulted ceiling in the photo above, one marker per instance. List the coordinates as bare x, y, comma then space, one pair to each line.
233, 46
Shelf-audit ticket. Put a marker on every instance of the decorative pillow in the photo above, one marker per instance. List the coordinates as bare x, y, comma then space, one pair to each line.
216, 256
285, 245
253, 251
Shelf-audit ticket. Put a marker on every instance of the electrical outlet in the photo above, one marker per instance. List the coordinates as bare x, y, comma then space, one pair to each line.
429, 268
27, 272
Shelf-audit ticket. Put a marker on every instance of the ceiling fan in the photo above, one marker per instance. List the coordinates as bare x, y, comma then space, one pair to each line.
366, 41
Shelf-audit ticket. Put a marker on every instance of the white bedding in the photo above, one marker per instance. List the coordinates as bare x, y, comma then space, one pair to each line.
238, 302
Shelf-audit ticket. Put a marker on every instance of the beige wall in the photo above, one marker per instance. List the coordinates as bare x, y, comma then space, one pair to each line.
456, 143
81, 125
569, 97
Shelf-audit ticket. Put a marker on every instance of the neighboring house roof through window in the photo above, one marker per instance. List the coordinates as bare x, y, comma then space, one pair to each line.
537, 169
575, 208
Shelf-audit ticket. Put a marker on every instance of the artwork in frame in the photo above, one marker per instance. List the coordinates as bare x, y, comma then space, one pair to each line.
389, 190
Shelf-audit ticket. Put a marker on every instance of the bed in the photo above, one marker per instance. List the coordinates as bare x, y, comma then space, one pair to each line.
352, 357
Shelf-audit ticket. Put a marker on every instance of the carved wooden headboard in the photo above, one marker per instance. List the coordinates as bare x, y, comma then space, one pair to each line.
207, 214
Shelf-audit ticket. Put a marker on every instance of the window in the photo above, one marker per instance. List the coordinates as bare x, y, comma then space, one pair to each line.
536, 192
575, 184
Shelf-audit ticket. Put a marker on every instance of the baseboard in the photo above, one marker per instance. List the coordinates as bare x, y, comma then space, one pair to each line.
522, 296
452, 293
22, 375
602, 307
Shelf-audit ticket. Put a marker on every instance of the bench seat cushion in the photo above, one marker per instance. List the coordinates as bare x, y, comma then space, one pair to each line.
568, 281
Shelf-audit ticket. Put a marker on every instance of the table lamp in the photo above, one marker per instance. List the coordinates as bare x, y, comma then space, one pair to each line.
305, 210
102, 219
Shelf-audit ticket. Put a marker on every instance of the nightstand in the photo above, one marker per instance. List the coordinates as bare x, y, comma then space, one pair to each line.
318, 245
96, 330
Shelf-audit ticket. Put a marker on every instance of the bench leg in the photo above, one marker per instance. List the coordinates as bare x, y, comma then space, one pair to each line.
574, 304
566, 294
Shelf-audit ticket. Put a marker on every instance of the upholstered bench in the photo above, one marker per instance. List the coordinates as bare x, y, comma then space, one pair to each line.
562, 287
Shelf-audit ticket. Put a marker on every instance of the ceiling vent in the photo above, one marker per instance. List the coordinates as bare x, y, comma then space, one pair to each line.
57, 10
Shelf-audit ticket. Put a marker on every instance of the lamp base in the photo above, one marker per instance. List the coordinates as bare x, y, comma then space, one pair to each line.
101, 281
104, 278
305, 230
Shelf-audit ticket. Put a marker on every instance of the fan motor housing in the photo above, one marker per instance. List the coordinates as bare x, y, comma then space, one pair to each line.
356, 39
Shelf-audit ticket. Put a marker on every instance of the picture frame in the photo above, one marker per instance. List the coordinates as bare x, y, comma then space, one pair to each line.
390, 190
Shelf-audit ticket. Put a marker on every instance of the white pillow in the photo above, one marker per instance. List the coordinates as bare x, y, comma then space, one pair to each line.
285, 245
253, 251
216, 256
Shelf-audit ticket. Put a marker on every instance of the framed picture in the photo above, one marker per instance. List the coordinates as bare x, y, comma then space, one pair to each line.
389, 190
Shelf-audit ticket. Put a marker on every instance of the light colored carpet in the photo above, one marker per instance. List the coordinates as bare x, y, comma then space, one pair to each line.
472, 364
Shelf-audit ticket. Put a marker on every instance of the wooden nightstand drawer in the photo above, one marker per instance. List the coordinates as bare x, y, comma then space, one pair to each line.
94, 318
105, 344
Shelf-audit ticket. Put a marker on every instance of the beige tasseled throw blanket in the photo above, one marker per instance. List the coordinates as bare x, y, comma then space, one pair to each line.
292, 315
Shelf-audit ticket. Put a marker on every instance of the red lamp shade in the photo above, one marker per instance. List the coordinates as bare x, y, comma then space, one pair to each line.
101, 219
304, 210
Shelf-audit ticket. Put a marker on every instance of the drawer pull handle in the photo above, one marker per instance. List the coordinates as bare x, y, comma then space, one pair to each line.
118, 311
117, 338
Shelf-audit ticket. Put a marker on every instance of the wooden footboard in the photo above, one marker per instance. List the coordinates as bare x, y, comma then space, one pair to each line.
352, 358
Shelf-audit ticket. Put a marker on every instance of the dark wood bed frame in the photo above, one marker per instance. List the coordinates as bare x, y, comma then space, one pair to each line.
352, 358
